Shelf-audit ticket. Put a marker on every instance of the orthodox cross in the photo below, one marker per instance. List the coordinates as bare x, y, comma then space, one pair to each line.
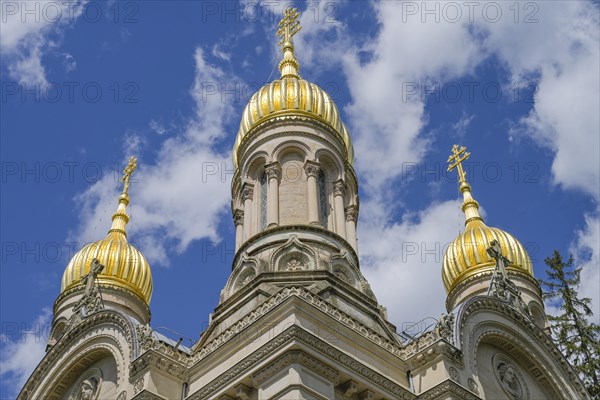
456, 160
288, 26
127, 172
90, 278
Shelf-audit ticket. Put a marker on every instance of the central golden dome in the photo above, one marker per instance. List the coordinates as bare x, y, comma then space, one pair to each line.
124, 266
291, 96
467, 255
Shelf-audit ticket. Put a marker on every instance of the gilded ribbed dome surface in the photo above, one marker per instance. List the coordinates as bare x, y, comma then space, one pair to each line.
467, 255
292, 96
124, 266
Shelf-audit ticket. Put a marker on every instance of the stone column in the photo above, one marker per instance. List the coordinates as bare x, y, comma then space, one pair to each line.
312, 171
351, 217
238, 219
273, 172
247, 196
338, 204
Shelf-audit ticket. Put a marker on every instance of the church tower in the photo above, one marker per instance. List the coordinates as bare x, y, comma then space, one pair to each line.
469, 267
294, 192
108, 273
297, 319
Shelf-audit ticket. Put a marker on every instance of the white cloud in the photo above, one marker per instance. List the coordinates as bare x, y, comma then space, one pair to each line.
182, 196
560, 51
29, 30
461, 126
20, 356
157, 126
402, 261
586, 250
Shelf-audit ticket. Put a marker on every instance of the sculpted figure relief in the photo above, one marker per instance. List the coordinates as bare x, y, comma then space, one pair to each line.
88, 389
509, 381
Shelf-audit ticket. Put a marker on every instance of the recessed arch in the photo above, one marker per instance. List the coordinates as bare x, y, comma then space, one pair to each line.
290, 146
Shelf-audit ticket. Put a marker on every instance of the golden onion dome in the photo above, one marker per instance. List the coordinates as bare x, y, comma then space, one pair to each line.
124, 266
291, 95
467, 255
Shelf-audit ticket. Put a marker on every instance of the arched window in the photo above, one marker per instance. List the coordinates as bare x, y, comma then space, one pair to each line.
323, 203
263, 201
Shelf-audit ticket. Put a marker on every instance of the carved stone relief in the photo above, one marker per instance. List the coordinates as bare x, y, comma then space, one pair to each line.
87, 386
454, 375
510, 378
473, 387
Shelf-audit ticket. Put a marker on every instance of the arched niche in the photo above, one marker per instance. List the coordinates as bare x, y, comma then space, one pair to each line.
293, 256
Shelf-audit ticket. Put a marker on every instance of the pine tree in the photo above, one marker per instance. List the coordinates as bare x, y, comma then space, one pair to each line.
577, 338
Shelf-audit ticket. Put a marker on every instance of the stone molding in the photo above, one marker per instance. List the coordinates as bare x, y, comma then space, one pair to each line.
448, 387
146, 395
328, 351
153, 358
486, 275
296, 357
305, 120
294, 229
312, 299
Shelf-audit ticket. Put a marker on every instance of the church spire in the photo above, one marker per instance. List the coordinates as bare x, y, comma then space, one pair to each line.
470, 206
120, 218
288, 27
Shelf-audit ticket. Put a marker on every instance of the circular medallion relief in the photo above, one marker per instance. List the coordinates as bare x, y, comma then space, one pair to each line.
510, 378
87, 386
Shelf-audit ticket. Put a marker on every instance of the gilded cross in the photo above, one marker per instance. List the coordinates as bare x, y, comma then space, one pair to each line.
456, 160
127, 172
288, 26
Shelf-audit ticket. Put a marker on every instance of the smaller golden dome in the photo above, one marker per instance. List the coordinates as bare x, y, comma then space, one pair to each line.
467, 255
124, 265
291, 95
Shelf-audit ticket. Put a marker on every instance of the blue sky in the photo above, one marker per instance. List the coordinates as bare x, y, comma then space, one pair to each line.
86, 85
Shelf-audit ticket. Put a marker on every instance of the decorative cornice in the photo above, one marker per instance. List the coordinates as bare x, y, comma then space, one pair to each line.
448, 387
296, 357
485, 274
104, 287
146, 395
297, 333
297, 117
153, 358
310, 298
293, 229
